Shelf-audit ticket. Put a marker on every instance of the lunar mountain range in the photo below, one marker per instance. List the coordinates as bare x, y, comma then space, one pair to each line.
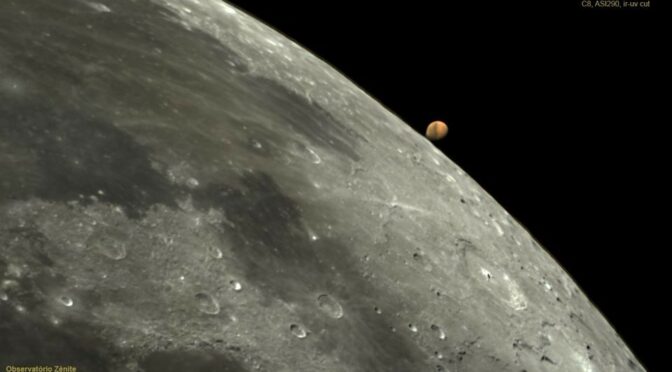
184, 189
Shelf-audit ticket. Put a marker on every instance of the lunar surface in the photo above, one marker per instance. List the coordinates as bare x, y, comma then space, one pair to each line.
184, 189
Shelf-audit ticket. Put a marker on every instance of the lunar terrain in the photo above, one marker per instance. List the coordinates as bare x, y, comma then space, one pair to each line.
183, 188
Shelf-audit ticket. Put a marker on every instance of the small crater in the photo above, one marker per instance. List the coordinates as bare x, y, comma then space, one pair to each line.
206, 303
461, 354
313, 156
546, 359
110, 242
192, 183
298, 331
102, 8
9, 285
440, 333
215, 252
308, 153
236, 286
330, 306
260, 147
238, 66
66, 301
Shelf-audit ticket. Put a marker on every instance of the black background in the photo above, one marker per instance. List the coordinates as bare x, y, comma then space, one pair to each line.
550, 109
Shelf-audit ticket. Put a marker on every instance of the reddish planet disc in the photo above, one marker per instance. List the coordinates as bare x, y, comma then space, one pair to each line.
436, 130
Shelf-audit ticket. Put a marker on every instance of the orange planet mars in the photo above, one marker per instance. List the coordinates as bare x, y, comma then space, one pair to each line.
436, 130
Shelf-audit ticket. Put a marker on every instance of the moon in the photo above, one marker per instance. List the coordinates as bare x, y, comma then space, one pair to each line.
184, 189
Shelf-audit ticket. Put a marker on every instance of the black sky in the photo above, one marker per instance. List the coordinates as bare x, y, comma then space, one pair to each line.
551, 110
